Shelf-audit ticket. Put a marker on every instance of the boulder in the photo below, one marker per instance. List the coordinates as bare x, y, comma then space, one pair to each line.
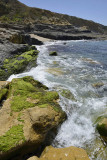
102, 127
18, 64
70, 153
33, 158
53, 53
19, 38
28, 115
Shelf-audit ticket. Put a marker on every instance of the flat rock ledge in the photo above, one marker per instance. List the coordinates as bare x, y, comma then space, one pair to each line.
28, 115
70, 153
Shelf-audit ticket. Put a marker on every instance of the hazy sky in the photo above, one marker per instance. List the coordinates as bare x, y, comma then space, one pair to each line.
95, 10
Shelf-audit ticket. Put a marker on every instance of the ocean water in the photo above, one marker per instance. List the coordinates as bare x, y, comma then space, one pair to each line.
77, 68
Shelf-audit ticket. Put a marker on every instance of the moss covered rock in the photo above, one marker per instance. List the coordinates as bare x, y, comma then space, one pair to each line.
53, 53
70, 153
102, 127
18, 64
3, 89
27, 116
67, 94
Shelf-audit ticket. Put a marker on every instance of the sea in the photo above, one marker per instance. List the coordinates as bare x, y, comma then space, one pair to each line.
80, 68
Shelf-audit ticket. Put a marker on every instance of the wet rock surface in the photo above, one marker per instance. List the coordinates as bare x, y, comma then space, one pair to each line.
102, 127
70, 153
27, 116
19, 63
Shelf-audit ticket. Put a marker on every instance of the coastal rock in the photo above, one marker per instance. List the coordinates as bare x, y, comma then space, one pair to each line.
98, 84
3, 89
53, 53
28, 115
102, 127
70, 153
67, 94
24, 39
33, 158
18, 63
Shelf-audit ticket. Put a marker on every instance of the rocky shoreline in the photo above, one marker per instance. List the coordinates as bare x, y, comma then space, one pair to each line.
30, 113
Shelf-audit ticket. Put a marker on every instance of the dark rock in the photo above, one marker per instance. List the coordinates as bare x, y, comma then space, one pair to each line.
102, 127
53, 53
35, 41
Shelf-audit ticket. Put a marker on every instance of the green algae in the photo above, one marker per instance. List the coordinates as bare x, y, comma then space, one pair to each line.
27, 93
3, 93
19, 118
102, 129
53, 53
12, 138
18, 64
67, 94
19, 103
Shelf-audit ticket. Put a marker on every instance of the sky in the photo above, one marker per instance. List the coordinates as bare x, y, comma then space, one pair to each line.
95, 10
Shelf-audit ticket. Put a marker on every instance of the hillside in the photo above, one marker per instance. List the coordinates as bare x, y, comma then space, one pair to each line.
12, 11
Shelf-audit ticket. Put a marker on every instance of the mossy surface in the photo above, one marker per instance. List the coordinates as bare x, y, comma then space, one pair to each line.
12, 138
67, 94
19, 118
102, 129
102, 125
53, 53
18, 64
3, 93
27, 92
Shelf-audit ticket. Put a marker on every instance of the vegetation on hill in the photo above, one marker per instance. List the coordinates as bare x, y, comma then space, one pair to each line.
16, 12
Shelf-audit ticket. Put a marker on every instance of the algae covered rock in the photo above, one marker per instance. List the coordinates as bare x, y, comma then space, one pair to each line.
53, 53
3, 89
98, 84
67, 94
70, 153
102, 127
18, 63
27, 116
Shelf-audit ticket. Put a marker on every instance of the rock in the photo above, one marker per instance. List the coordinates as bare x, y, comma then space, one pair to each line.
67, 94
9, 50
102, 127
70, 153
36, 41
98, 84
33, 158
56, 35
53, 53
3, 89
24, 39
27, 117
18, 64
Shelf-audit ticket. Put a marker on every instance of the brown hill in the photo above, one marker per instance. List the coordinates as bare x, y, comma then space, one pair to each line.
13, 11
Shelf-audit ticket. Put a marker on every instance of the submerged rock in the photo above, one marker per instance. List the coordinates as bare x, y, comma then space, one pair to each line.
27, 116
70, 153
98, 84
54, 53
67, 94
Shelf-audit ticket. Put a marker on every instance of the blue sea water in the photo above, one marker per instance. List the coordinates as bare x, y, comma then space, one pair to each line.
77, 68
